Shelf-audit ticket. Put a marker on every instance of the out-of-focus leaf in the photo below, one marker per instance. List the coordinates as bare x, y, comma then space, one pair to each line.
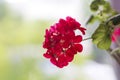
105, 43
91, 19
115, 20
102, 36
101, 2
94, 6
107, 7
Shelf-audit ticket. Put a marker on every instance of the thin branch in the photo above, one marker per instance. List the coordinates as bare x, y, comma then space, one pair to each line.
116, 57
86, 39
114, 50
118, 43
115, 54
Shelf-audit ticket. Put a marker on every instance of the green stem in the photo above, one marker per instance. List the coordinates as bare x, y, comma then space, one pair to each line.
86, 39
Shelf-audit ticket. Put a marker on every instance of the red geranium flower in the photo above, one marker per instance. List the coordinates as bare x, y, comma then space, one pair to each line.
116, 34
62, 43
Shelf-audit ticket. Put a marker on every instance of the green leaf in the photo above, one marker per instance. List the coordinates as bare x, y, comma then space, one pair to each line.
115, 20
107, 7
105, 43
102, 36
91, 19
97, 37
100, 2
94, 6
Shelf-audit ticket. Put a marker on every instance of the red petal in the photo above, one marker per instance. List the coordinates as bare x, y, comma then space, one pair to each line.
115, 34
62, 62
77, 39
53, 60
69, 58
63, 22
78, 47
71, 51
82, 30
113, 37
68, 18
47, 55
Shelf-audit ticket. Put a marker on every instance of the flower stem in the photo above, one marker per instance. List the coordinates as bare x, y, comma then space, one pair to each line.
116, 57
115, 50
86, 39
115, 54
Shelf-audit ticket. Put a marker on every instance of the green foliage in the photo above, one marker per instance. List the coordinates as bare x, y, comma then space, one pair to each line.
115, 20
101, 2
94, 6
102, 12
107, 8
102, 36
91, 19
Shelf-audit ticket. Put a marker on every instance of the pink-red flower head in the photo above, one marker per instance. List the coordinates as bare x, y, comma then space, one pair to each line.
62, 43
116, 34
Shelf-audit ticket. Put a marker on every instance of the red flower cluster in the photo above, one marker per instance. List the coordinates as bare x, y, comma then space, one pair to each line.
62, 43
116, 34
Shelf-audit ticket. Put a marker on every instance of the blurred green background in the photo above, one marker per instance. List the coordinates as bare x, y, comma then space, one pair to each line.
21, 49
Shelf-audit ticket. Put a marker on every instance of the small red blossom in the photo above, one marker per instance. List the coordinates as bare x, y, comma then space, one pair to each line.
116, 34
62, 43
